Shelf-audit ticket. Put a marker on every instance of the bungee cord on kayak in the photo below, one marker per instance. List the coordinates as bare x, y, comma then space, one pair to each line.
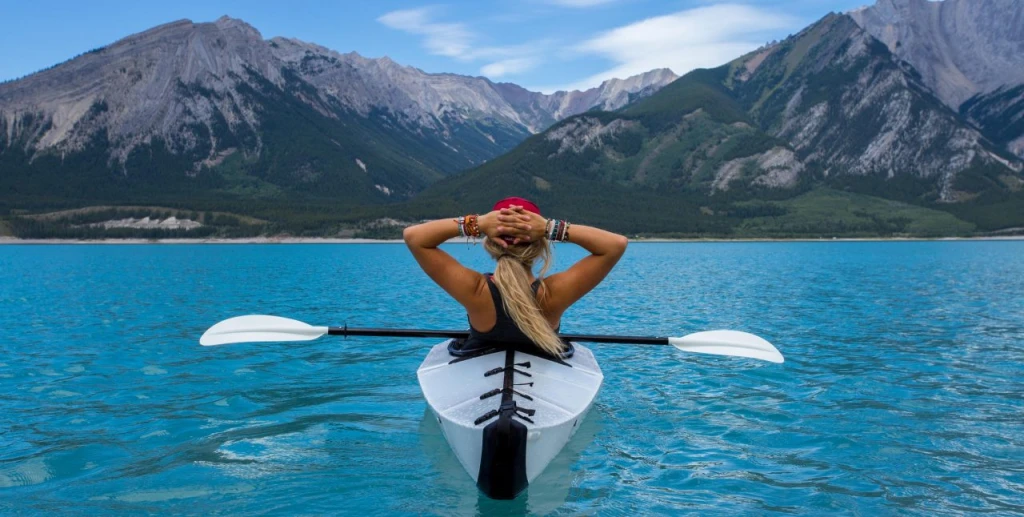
509, 407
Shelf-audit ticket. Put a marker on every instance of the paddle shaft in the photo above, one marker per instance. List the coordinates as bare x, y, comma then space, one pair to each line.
587, 338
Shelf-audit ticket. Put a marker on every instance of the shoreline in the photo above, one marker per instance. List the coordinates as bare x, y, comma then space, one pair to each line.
330, 240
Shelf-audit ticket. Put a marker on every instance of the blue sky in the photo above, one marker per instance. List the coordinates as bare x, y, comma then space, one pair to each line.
540, 44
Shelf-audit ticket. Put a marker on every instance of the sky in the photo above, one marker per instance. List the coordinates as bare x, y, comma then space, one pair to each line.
543, 45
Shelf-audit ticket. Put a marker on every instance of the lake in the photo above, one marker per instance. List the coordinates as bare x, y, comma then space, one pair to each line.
902, 390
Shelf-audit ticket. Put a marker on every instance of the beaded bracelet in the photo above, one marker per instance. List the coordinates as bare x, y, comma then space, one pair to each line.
557, 230
472, 226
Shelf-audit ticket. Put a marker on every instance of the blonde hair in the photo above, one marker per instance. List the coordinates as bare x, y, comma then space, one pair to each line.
512, 276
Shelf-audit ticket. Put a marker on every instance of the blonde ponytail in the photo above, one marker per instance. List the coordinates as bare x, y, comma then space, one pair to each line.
512, 276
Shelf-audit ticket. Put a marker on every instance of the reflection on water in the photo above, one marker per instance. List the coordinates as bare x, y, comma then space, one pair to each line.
546, 494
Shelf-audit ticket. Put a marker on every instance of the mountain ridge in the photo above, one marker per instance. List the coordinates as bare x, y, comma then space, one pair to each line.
764, 145
969, 52
194, 91
960, 47
829, 107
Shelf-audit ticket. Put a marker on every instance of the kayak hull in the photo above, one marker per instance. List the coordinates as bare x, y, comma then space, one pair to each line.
506, 414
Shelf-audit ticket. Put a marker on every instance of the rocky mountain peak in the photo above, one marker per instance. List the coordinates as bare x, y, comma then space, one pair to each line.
850, 108
226, 22
960, 47
652, 77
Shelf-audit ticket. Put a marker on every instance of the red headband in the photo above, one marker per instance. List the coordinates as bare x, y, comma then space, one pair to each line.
518, 201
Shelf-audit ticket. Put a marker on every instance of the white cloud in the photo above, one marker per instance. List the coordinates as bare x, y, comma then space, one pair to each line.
456, 41
508, 67
696, 38
580, 3
443, 39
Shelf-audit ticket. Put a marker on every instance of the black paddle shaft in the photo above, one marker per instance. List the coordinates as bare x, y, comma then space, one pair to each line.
587, 338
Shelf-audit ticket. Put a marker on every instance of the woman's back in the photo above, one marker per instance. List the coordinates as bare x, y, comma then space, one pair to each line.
502, 328
518, 238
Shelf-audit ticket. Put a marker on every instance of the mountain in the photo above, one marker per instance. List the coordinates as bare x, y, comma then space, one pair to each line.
214, 110
829, 132
960, 47
828, 108
970, 53
850, 108
544, 110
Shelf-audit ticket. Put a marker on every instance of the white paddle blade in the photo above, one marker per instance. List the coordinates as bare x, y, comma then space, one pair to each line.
728, 342
257, 328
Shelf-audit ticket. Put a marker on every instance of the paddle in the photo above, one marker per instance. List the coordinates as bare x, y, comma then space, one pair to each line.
258, 328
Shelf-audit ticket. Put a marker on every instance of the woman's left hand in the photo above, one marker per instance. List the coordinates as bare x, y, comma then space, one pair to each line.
491, 226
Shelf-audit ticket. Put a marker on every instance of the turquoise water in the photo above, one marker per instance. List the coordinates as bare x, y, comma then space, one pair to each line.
902, 391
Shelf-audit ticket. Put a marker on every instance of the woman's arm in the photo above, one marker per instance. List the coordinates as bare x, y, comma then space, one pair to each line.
457, 280
606, 248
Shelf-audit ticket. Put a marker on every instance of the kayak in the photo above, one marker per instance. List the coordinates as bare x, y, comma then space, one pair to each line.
507, 412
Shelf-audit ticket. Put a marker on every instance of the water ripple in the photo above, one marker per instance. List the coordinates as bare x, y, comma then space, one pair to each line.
902, 390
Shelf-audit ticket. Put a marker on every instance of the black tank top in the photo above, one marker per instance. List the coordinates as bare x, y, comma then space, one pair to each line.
505, 330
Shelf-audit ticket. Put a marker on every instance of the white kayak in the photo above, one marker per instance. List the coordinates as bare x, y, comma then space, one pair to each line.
506, 413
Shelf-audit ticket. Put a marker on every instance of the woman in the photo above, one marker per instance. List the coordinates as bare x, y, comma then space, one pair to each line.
513, 305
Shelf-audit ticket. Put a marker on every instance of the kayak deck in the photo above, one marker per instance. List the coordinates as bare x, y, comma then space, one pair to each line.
560, 392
